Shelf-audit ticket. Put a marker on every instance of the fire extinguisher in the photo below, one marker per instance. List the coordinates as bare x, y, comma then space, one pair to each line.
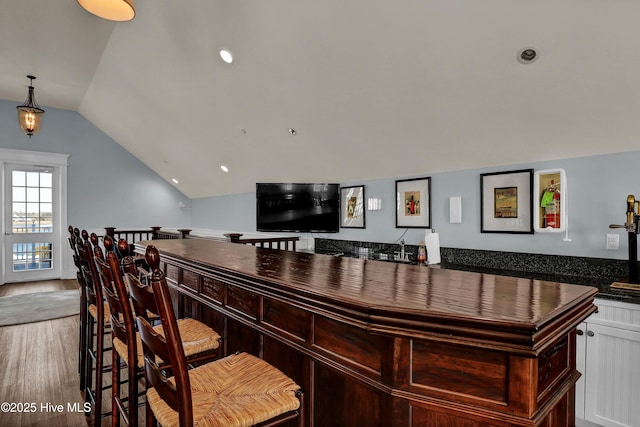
551, 203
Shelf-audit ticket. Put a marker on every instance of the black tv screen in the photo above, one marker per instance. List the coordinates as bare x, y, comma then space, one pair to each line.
298, 207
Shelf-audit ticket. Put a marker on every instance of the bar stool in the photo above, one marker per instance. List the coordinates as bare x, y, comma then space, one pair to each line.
238, 390
202, 341
122, 331
98, 326
74, 239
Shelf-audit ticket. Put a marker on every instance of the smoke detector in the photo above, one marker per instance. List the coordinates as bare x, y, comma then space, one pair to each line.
527, 55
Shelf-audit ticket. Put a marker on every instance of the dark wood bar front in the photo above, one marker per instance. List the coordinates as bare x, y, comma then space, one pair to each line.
382, 344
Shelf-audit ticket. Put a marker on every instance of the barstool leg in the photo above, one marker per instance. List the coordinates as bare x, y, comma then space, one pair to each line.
115, 388
82, 339
150, 418
133, 395
99, 369
88, 377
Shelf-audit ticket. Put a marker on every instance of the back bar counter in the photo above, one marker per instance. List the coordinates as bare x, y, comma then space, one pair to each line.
382, 344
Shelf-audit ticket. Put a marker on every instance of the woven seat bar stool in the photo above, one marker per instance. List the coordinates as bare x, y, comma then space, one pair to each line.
127, 345
239, 390
75, 239
98, 327
200, 342
122, 331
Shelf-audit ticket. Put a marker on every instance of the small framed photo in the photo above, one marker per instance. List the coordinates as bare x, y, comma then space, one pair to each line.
505, 202
413, 203
352, 207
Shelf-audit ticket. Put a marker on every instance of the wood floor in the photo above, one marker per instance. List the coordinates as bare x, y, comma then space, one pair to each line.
39, 368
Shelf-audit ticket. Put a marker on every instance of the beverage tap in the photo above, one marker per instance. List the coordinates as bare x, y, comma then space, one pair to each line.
632, 216
631, 201
633, 228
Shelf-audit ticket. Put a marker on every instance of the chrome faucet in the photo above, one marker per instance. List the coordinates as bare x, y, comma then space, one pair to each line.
402, 254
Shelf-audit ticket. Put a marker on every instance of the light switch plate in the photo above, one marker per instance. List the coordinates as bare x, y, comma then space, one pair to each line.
613, 242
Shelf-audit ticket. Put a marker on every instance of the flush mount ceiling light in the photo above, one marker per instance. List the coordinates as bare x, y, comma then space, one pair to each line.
30, 113
111, 10
224, 168
527, 55
226, 56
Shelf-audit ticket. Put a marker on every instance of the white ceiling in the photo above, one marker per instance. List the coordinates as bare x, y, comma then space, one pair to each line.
374, 88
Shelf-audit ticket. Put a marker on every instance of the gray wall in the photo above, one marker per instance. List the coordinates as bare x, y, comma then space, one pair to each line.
107, 186
597, 190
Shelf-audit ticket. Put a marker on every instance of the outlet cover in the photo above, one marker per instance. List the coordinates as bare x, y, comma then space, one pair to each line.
613, 242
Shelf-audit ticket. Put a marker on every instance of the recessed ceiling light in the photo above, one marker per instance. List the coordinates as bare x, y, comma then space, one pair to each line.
226, 56
175, 181
224, 168
292, 131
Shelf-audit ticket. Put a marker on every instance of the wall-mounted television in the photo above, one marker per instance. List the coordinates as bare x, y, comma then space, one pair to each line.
312, 208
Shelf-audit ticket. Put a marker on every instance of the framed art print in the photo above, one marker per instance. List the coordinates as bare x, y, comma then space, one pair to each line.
505, 200
413, 203
352, 207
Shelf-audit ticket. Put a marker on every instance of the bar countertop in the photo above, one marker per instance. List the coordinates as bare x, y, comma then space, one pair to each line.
602, 284
389, 344
605, 291
397, 296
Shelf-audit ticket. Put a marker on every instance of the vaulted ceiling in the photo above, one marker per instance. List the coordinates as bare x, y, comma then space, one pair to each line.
373, 88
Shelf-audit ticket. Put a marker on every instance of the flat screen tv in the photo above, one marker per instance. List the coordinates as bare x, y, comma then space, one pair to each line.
312, 208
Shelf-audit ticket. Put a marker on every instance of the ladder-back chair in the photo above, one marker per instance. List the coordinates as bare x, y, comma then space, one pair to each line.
236, 391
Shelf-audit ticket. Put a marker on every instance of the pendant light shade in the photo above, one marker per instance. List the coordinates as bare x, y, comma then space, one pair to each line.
30, 113
112, 10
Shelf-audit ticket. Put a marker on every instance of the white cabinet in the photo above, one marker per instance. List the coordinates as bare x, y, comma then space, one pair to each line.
608, 355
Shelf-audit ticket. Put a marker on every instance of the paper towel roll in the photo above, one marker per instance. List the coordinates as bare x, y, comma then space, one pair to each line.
432, 243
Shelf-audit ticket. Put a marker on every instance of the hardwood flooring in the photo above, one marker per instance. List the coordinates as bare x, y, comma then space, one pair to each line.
42, 286
39, 368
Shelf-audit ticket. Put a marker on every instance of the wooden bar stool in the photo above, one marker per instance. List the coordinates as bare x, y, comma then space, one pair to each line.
236, 391
202, 341
98, 326
75, 239
122, 332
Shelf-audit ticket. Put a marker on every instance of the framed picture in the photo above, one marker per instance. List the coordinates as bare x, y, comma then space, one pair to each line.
505, 202
352, 207
413, 203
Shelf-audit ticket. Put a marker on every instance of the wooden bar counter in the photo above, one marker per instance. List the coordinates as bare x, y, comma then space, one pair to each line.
382, 344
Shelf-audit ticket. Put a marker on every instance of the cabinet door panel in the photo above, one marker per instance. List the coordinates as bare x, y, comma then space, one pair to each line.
612, 376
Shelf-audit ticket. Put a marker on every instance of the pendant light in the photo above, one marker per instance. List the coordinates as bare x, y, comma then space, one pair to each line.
111, 10
30, 113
